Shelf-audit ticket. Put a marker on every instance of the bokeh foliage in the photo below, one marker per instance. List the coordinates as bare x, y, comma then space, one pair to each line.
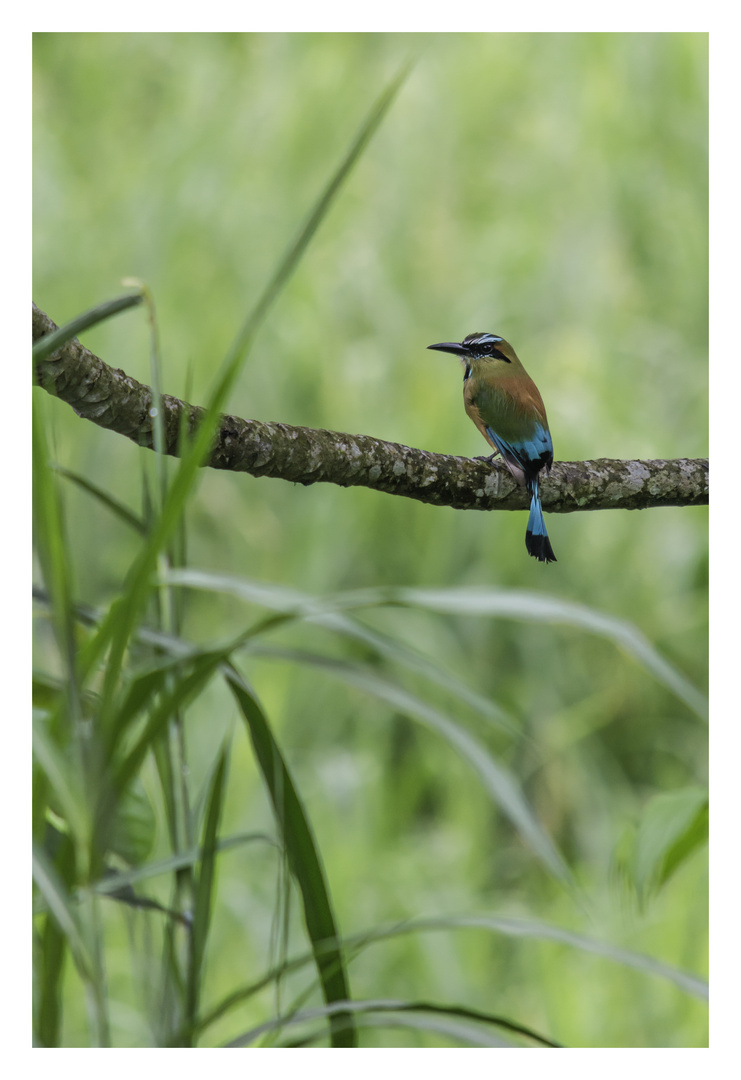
551, 188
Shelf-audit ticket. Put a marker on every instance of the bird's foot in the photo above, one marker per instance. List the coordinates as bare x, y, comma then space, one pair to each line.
489, 457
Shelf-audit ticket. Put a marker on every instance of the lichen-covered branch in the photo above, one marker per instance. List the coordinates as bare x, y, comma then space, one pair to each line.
113, 400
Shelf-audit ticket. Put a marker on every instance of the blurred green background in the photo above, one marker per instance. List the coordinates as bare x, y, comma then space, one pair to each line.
551, 188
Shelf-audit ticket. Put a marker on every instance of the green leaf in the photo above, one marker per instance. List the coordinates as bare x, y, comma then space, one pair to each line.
671, 828
133, 832
303, 855
45, 692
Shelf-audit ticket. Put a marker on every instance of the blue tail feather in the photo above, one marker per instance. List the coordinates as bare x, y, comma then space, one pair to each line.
536, 537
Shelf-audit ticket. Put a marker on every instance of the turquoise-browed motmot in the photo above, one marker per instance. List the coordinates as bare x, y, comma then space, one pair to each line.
504, 404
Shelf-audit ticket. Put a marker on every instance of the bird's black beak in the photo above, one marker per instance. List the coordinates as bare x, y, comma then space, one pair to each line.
451, 347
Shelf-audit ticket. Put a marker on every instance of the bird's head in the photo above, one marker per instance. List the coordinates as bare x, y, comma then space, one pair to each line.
479, 349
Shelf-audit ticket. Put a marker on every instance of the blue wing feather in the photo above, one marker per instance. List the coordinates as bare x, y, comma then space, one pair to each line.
530, 454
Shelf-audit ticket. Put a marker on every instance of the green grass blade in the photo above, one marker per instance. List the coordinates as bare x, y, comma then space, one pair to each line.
67, 787
303, 853
46, 692
126, 879
477, 1015
537, 607
476, 601
204, 890
498, 924
52, 950
50, 956
319, 611
398, 652
140, 692
51, 547
165, 675
183, 691
49, 344
122, 767
122, 512
63, 911
532, 928
66, 712
468, 1035
322, 207
398, 1007
118, 626
496, 778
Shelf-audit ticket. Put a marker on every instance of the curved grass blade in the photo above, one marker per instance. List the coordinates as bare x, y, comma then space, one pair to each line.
498, 780
125, 879
516, 927
396, 1007
536, 607
303, 855
319, 611
478, 602
474, 1014
466, 1034
114, 505
181, 693
289, 261
499, 924
141, 690
123, 766
118, 626
391, 648
49, 344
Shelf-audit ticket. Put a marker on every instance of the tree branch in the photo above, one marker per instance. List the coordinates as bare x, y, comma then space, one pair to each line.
113, 400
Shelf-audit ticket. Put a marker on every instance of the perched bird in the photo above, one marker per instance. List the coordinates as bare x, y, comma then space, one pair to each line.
504, 404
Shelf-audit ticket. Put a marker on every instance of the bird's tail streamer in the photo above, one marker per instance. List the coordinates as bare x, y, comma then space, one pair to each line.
536, 537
